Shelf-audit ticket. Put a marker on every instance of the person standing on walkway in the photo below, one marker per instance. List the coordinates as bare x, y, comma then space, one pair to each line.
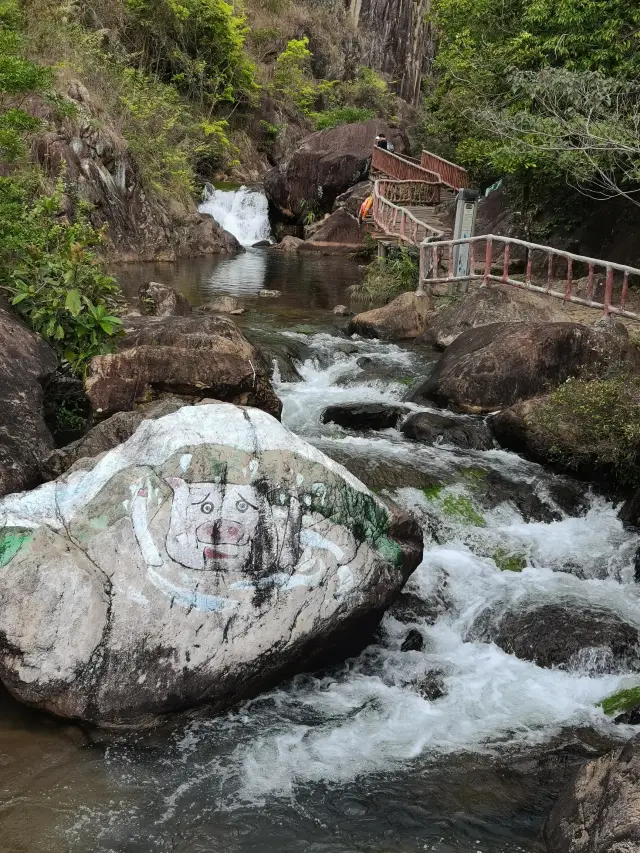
381, 141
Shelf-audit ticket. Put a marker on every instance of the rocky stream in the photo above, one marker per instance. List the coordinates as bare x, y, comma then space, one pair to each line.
457, 728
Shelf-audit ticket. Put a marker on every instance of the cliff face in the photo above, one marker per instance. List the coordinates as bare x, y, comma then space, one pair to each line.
396, 39
97, 167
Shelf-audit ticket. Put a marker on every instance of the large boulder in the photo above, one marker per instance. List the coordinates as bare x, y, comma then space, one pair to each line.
352, 199
196, 356
364, 416
104, 437
432, 427
340, 227
325, 165
26, 362
498, 365
160, 300
574, 437
207, 558
561, 634
600, 810
402, 319
494, 304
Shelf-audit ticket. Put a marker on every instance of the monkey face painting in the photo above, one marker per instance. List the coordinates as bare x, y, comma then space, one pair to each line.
213, 525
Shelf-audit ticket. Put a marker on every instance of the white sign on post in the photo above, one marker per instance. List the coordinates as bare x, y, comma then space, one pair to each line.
464, 228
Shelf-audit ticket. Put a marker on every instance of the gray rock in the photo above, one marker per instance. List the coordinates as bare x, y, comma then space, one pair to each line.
600, 810
207, 558
413, 642
429, 428
26, 363
363, 416
402, 319
222, 305
561, 635
160, 300
341, 311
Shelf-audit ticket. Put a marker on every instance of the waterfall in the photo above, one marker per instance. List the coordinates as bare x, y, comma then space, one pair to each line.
243, 212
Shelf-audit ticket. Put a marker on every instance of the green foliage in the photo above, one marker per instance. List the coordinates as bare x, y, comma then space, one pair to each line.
625, 700
594, 421
196, 45
388, 277
501, 66
52, 275
341, 115
19, 78
293, 80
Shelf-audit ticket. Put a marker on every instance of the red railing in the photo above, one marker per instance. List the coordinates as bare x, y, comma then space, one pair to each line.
395, 220
578, 279
453, 176
402, 169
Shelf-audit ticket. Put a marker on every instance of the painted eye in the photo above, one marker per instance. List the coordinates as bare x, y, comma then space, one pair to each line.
242, 506
207, 508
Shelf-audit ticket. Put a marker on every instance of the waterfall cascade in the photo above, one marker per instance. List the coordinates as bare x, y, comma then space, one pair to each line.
243, 212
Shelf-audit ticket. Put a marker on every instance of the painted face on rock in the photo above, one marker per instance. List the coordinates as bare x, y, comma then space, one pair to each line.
212, 526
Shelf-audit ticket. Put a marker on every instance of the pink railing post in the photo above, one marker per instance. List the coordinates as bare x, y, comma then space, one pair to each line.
505, 265
450, 263
550, 271
625, 291
569, 285
590, 283
608, 292
421, 270
488, 257
527, 275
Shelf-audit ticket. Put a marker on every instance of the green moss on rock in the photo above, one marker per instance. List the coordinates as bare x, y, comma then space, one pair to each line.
624, 700
509, 562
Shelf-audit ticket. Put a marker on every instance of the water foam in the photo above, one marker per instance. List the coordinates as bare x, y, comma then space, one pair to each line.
243, 212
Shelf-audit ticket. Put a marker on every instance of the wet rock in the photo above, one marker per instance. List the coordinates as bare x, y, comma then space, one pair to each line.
363, 416
561, 635
488, 305
630, 512
409, 607
160, 300
261, 244
269, 294
401, 319
207, 558
340, 227
192, 356
26, 362
341, 311
432, 687
222, 305
429, 428
364, 361
105, 436
600, 810
290, 244
495, 366
413, 642
353, 199
325, 165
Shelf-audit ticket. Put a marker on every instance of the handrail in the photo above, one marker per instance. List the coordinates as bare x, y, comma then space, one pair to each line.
450, 173
400, 168
431, 253
396, 221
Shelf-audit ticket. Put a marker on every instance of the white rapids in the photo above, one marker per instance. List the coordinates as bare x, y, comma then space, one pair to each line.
368, 717
243, 212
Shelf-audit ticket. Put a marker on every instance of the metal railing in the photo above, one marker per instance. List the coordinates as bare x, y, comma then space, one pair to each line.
610, 294
400, 168
454, 176
395, 220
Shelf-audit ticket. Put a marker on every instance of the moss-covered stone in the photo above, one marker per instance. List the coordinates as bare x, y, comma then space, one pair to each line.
624, 700
509, 562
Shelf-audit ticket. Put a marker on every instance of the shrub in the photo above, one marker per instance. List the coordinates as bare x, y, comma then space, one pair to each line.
52, 275
341, 115
292, 79
595, 422
388, 277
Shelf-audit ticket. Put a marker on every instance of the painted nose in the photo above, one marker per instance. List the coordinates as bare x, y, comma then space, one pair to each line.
222, 531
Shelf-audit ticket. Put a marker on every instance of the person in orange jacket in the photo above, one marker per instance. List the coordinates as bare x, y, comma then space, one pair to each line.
365, 207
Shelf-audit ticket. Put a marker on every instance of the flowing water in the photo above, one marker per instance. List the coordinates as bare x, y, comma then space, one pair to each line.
243, 212
357, 758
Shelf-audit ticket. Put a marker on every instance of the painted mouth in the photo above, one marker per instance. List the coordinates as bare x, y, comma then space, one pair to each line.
212, 554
